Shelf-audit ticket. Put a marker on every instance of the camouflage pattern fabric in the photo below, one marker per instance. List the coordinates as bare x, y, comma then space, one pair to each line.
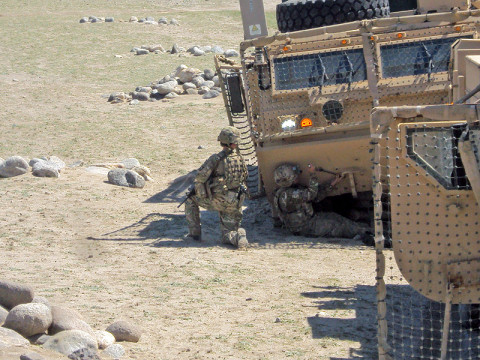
229, 172
294, 208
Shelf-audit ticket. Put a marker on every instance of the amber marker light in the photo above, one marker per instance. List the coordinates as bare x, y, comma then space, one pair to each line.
287, 48
458, 28
345, 41
306, 122
400, 35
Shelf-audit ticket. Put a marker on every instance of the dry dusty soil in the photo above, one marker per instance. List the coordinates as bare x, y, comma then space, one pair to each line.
119, 253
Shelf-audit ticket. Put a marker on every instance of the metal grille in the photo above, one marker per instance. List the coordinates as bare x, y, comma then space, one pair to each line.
332, 110
321, 69
428, 285
416, 58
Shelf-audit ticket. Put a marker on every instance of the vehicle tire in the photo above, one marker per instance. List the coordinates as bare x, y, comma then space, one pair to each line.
293, 15
401, 5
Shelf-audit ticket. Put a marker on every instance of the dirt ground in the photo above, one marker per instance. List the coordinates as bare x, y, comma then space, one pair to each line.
118, 253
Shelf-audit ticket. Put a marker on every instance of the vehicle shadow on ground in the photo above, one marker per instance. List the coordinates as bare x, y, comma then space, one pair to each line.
347, 314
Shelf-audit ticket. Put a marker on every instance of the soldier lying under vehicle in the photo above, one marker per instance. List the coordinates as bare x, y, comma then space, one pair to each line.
293, 203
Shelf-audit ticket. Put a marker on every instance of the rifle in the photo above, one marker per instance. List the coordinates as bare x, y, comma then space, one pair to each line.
189, 194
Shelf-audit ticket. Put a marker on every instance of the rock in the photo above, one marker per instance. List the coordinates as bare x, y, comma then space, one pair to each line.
216, 80
3, 315
208, 74
175, 49
141, 96
93, 19
209, 84
178, 70
115, 351
155, 48
197, 52
29, 319
117, 96
171, 95
216, 88
43, 169
104, 339
124, 177
133, 19
69, 341
207, 49
134, 49
142, 52
230, 53
192, 91
10, 338
163, 20
217, 49
41, 300
13, 166
84, 353
67, 319
142, 20
203, 90
134, 102
189, 85
156, 95
187, 75
144, 172
178, 90
210, 94
83, 20
1, 160
12, 294
150, 22
38, 339
109, 19
167, 87
144, 89
198, 81
174, 22
149, 18
125, 331
165, 79
130, 163
31, 356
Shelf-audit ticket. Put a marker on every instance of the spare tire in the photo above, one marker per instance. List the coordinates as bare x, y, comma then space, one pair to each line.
293, 15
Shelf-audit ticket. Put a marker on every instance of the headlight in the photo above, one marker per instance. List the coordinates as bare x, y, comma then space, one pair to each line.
289, 125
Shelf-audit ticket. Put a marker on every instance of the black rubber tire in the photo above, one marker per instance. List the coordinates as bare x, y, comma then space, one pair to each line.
401, 5
293, 15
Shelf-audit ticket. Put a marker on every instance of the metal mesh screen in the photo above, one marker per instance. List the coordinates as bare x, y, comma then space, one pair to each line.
428, 283
417, 57
321, 69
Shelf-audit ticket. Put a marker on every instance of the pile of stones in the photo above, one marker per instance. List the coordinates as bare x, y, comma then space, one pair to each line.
181, 51
149, 20
182, 81
41, 167
95, 19
128, 172
27, 320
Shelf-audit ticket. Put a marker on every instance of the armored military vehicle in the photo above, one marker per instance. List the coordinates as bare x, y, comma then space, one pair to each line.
304, 94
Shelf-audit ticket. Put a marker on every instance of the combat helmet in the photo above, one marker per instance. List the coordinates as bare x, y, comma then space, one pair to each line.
285, 175
229, 135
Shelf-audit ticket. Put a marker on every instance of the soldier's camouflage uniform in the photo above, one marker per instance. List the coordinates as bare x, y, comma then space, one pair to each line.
229, 173
293, 205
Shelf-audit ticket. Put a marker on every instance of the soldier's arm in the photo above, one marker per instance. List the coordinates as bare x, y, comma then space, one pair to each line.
206, 169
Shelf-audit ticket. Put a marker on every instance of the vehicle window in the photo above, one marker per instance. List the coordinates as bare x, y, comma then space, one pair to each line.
436, 150
321, 69
415, 58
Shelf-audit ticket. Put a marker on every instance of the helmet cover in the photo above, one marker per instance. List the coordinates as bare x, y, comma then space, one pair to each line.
285, 175
229, 135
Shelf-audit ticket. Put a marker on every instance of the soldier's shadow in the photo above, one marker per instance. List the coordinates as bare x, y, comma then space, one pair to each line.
176, 190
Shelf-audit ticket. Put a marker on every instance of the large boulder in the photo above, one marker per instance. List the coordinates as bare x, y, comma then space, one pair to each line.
70, 341
125, 177
9, 338
187, 75
67, 319
12, 294
29, 319
13, 166
167, 87
125, 331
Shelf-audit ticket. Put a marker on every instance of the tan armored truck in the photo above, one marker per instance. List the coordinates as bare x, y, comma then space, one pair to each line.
304, 95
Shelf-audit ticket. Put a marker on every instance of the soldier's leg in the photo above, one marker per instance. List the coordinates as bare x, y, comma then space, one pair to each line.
192, 214
329, 224
232, 233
